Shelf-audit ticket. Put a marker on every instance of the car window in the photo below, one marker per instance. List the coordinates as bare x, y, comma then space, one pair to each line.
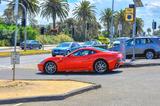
129, 42
84, 52
145, 41
73, 45
138, 41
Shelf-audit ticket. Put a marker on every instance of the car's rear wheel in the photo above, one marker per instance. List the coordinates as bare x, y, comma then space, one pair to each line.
149, 54
100, 66
40, 47
50, 68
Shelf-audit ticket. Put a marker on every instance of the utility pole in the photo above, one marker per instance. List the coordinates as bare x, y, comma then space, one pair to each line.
15, 37
137, 3
112, 22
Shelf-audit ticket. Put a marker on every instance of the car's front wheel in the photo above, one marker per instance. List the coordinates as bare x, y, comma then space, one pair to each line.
50, 68
149, 54
100, 66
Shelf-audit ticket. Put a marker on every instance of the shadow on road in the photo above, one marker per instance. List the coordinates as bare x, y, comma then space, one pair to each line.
83, 73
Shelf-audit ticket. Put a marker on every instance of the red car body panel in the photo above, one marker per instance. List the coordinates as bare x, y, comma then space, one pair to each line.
72, 63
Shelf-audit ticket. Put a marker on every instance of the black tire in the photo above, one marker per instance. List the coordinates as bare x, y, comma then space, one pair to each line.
40, 47
53, 54
149, 54
50, 68
67, 52
100, 66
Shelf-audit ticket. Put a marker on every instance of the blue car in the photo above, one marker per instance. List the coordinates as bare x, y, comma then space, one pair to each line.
31, 44
65, 48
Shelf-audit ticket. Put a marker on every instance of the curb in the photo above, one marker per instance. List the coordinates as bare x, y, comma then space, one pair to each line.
50, 97
140, 65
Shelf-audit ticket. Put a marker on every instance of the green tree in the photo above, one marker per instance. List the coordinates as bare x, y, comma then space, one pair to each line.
140, 25
105, 18
54, 9
149, 31
84, 12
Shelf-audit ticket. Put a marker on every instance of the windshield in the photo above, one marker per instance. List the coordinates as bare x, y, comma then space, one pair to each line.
100, 49
89, 43
28, 41
64, 45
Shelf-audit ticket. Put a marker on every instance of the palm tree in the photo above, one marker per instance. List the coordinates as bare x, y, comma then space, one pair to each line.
139, 24
106, 17
120, 19
159, 27
149, 31
54, 9
8, 16
84, 13
32, 7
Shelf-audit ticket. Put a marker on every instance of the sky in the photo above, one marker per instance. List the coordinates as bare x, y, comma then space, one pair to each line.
150, 11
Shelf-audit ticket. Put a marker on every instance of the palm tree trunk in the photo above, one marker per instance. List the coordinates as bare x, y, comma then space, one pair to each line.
54, 21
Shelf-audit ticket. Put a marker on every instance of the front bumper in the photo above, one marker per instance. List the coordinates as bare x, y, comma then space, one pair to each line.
41, 67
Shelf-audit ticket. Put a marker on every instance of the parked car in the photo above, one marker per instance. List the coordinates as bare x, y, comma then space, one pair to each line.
148, 47
84, 59
65, 48
31, 44
94, 43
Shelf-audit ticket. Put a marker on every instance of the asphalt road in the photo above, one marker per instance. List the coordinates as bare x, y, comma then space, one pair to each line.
124, 87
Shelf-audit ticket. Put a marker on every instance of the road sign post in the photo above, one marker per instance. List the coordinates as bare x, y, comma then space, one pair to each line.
15, 37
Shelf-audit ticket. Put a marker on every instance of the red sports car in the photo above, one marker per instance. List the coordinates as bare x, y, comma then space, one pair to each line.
83, 60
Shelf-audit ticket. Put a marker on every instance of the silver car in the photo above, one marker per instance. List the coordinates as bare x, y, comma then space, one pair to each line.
149, 47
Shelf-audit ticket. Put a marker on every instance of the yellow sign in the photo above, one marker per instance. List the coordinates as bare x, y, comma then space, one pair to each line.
129, 14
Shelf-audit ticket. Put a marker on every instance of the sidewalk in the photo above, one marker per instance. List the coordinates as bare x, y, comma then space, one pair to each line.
142, 63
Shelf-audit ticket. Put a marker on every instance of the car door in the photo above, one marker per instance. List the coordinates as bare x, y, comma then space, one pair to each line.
140, 45
129, 47
79, 60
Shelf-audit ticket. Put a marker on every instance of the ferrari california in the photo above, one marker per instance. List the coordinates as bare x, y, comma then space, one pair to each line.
87, 59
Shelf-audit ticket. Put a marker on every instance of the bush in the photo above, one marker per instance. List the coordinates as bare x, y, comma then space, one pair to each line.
4, 43
50, 39
7, 34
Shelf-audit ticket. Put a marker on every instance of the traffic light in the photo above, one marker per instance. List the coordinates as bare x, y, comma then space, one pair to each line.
154, 25
42, 30
129, 14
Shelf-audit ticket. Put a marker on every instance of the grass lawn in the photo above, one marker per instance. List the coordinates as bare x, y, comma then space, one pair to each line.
28, 52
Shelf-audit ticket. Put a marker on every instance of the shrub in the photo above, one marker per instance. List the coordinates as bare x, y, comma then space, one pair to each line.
50, 39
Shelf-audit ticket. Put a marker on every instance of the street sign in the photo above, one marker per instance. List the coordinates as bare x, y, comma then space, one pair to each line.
129, 14
138, 3
15, 58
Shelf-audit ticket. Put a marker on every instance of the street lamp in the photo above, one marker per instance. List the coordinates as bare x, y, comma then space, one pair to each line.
137, 3
112, 22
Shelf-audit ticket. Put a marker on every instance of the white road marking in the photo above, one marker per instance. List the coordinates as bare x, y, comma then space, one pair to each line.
5, 67
18, 104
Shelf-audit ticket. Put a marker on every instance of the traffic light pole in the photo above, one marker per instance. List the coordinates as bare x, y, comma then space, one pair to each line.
134, 33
